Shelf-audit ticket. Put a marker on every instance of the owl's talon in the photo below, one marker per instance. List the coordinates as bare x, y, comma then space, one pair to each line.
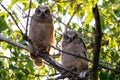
32, 56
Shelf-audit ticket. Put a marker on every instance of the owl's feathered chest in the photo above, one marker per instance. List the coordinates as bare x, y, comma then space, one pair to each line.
72, 45
39, 28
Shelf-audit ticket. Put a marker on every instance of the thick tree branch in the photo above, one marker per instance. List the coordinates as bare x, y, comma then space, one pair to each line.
72, 54
53, 61
98, 37
13, 43
49, 59
44, 55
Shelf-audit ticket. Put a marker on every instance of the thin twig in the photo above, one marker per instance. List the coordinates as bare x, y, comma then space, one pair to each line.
67, 26
4, 57
12, 18
59, 20
18, 8
28, 17
77, 7
67, 1
58, 32
85, 30
20, 22
54, 4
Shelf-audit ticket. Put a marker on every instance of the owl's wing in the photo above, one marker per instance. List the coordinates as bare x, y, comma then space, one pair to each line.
81, 41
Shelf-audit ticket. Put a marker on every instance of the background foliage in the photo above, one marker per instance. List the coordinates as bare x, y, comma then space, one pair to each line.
15, 63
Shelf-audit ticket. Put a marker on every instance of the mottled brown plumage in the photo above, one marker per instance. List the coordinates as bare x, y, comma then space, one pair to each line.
73, 44
41, 28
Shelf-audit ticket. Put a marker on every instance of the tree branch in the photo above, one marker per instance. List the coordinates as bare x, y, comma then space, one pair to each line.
53, 63
49, 59
77, 7
28, 18
98, 37
45, 56
13, 43
4, 57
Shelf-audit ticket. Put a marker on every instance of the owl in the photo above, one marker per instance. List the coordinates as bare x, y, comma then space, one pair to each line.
41, 28
73, 44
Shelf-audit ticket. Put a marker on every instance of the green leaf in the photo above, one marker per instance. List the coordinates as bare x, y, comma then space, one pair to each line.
60, 8
112, 1
1, 53
103, 75
117, 12
20, 76
40, 1
88, 19
111, 76
4, 74
12, 3
4, 45
80, 30
1, 65
74, 26
102, 22
26, 5
1, 1
3, 24
13, 67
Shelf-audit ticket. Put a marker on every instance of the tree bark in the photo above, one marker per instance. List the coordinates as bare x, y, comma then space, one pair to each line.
98, 37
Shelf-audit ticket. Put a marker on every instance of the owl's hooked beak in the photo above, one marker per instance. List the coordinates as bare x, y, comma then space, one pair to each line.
70, 39
42, 14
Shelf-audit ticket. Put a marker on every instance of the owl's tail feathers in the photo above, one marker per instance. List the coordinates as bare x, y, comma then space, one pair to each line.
38, 61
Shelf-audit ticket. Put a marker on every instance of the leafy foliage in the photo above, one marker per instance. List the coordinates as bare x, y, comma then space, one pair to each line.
3, 24
15, 63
